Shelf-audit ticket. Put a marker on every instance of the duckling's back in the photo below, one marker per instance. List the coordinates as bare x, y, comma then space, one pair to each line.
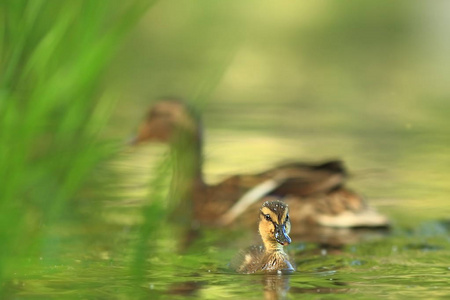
256, 259
249, 260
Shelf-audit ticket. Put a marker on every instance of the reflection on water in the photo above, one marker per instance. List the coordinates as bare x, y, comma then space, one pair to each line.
275, 286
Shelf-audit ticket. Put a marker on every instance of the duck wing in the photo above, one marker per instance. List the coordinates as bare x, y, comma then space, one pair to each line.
301, 179
296, 179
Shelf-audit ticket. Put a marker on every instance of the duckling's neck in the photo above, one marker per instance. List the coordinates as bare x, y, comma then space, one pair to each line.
272, 246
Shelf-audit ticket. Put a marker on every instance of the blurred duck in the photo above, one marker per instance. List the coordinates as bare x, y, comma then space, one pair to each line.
274, 227
315, 192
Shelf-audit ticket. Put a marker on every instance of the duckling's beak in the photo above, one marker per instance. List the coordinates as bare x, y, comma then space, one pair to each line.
281, 236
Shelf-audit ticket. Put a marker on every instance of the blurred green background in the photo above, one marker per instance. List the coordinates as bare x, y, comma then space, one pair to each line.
363, 81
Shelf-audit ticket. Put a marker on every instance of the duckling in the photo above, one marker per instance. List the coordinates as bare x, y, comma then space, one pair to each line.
274, 227
316, 192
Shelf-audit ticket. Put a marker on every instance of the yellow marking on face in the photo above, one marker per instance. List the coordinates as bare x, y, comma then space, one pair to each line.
272, 215
283, 217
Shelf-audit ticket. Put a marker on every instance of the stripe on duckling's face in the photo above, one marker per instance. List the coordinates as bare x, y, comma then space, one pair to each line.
277, 210
267, 212
275, 222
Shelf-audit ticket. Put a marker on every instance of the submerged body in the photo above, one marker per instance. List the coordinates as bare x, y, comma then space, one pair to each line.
274, 227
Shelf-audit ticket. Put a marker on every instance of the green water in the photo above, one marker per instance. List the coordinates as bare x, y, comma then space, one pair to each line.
93, 255
305, 81
96, 257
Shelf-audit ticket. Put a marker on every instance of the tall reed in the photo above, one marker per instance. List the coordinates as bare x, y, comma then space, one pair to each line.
52, 55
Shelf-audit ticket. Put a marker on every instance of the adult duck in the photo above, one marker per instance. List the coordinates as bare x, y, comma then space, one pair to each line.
315, 193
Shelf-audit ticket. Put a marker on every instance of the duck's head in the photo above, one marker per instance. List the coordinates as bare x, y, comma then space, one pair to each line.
274, 224
166, 120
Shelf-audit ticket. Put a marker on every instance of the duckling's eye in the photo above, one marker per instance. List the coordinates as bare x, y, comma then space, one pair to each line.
267, 217
287, 219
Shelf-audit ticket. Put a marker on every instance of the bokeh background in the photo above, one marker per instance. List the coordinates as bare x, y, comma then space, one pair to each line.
363, 81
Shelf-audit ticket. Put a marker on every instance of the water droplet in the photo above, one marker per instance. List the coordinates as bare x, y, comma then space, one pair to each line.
356, 263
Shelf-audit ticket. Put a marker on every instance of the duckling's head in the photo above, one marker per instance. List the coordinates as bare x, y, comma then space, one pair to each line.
167, 120
274, 224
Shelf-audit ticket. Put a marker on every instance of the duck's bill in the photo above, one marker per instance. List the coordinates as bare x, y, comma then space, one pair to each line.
281, 236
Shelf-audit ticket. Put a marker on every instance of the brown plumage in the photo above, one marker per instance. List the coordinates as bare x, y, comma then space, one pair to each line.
274, 227
315, 192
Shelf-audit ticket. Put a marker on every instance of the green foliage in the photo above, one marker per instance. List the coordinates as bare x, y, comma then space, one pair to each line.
52, 55
304, 80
